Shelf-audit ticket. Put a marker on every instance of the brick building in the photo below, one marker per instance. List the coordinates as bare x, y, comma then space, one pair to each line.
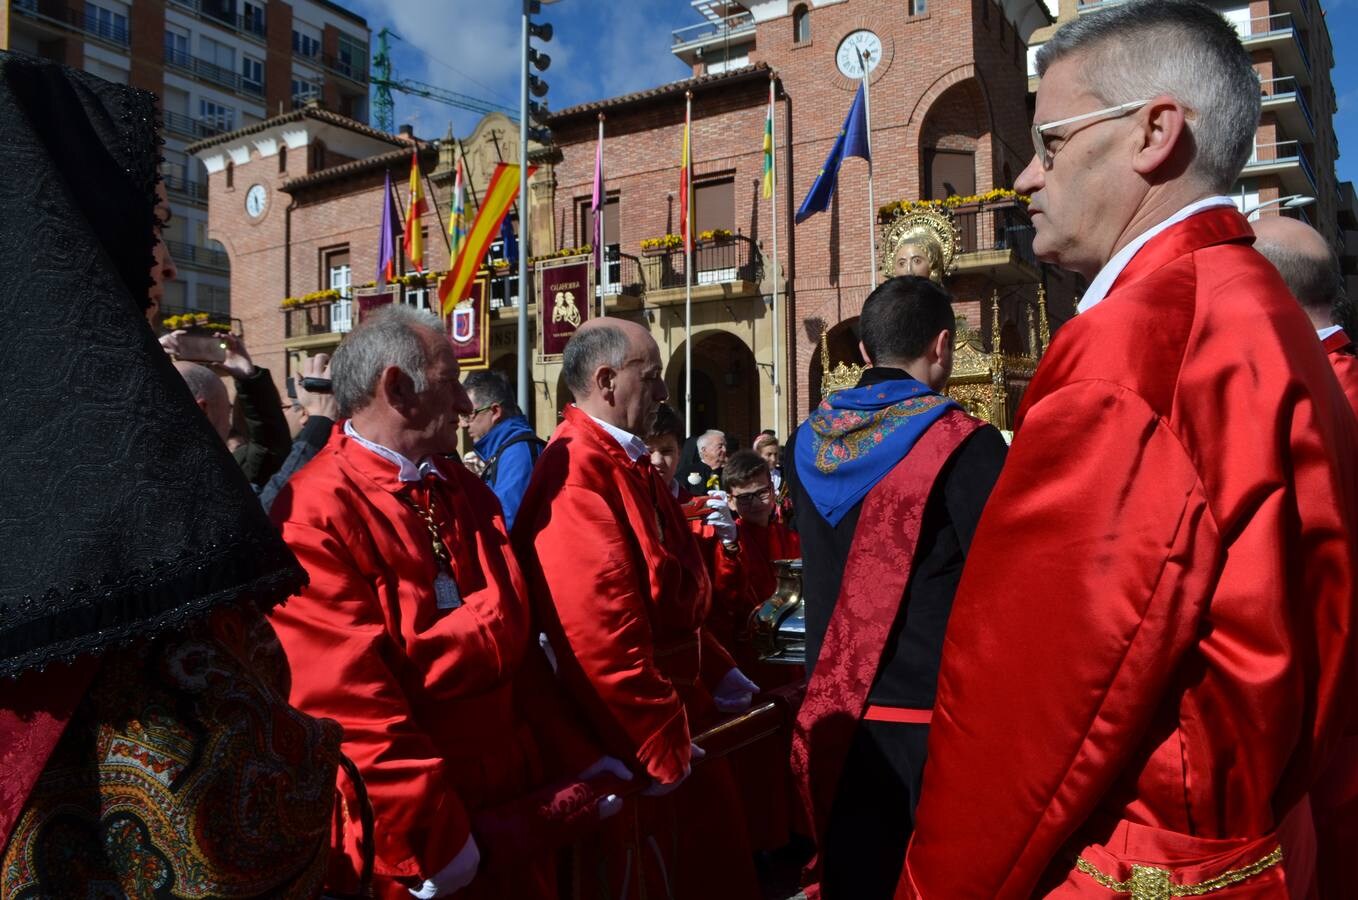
217, 65
949, 116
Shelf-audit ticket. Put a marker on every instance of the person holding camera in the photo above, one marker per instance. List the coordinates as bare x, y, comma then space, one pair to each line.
311, 417
259, 410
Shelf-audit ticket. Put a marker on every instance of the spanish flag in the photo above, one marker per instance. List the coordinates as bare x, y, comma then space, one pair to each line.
414, 240
686, 183
500, 193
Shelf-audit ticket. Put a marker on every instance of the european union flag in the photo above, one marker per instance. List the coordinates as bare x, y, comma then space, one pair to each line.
852, 141
511, 243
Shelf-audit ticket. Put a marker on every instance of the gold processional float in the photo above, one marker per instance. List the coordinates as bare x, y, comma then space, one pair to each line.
988, 385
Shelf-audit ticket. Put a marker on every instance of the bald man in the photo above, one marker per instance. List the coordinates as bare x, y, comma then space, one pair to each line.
1311, 270
209, 393
622, 593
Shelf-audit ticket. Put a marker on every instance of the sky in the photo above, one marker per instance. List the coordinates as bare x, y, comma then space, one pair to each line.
603, 48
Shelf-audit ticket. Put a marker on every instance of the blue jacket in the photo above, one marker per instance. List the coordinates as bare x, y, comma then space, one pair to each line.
515, 466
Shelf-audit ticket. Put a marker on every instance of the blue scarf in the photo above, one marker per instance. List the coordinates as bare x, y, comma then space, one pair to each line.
856, 436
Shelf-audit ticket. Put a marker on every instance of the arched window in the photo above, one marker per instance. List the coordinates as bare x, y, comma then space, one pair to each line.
283, 158
230, 175
801, 25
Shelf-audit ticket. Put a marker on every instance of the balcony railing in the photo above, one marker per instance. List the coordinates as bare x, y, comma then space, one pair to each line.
1283, 152
1002, 225
336, 317
1274, 25
197, 257
252, 25
620, 275
76, 20
223, 77
178, 186
1280, 88
731, 26
356, 70
180, 124
715, 262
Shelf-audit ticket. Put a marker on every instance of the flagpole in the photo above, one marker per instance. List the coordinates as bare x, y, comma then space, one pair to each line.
872, 207
688, 264
523, 375
777, 367
599, 224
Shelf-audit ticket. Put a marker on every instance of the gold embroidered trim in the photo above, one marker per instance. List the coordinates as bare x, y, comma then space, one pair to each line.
1151, 883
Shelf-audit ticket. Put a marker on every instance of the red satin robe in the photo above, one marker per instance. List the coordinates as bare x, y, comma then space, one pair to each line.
445, 712
620, 589
1151, 652
1340, 351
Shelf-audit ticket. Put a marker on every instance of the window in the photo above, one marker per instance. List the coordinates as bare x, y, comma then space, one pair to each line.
283, 158
304, 44
611, 275
949, 172
714, 205
109, 24
918, 7
252, 75
353, 58
336, 274
221, 55
230, 175
303, 90
504, 283
177, 46
801, 25
217, 116
252, 18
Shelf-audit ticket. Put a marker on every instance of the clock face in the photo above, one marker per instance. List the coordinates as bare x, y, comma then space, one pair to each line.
255, 200
859, 52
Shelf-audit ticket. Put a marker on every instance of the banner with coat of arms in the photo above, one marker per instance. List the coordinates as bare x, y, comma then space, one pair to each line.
469, 326
565, 291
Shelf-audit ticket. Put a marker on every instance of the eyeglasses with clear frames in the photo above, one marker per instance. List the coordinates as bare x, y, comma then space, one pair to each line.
1111, 112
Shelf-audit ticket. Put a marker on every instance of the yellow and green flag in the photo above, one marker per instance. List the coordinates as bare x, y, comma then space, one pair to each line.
768, 147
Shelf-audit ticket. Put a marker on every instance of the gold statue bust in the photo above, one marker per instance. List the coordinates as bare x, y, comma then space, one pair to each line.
921, 242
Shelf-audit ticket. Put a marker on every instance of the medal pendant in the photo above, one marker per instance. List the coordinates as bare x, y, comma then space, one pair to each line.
446, 595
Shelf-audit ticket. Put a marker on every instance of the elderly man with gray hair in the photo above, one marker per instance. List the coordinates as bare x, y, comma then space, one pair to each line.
1151, 654
414, 632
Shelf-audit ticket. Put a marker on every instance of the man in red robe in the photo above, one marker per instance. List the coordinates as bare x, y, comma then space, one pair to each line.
622, 595
1152, 653
889, 479
1310, 269
414, 630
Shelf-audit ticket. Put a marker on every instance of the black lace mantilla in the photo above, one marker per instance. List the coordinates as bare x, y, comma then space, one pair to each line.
122, 514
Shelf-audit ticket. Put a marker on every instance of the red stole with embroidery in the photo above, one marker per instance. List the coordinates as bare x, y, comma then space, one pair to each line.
875, 577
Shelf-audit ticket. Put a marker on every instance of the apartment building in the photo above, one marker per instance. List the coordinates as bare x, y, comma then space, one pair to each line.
218, 66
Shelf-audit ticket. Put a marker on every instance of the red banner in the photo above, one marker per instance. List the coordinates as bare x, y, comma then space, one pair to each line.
565, 294
369, 302
469, 327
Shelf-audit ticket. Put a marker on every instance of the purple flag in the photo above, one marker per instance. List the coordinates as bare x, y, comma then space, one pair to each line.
386, 253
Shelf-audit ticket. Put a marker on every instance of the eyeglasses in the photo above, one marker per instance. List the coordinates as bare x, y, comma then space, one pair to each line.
762, 496
1112, 112
476, 412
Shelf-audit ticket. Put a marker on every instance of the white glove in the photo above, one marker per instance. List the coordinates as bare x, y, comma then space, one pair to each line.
735, 693
455, 876
659, 790
609, 804
721, 520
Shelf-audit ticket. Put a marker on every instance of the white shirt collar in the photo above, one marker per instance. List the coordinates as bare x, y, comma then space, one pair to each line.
1103, 282
409, 471
632, 445
1324, 333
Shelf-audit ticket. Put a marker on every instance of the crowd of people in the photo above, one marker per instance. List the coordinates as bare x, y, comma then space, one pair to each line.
303, 645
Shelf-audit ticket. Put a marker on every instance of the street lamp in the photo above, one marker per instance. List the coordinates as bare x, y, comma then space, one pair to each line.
530, 114
1291, 201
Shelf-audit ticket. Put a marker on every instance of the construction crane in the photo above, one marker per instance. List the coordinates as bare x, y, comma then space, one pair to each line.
385, 83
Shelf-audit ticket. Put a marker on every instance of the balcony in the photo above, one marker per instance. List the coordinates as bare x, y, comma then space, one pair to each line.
177, 186
303, 325
191, 256
1278, 34
191, 128
251, 25
996, 242
621, 275
721, 269
75, 20
1288, 161
1283, 97
212, 73
354, 70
